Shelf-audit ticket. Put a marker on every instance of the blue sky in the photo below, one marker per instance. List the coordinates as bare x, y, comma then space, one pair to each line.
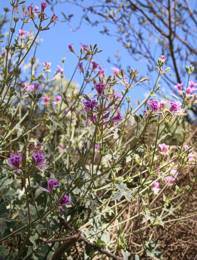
55, 41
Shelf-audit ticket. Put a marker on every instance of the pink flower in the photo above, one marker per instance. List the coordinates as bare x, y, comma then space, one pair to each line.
36, 9
164, 149
101, 73
57, 99
191, 87
47, 66
179, 86
100, 88
161, 60
46, 100
155, 187
116, 71
85, 47
22, 33
169, 180
162, 105
191, 157
153, 104
175, 106
192, 84
32, 87
97, 147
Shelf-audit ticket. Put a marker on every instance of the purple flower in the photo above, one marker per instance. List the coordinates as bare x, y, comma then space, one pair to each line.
57, 99
81, 67
52, 184
174, 106
117, 118
155, 187
15, 160
153, 104
90, 104
100, 88
38, 158
32, 87
60, 70
171, 179
164, 149
64, 200
70, 47
94, 65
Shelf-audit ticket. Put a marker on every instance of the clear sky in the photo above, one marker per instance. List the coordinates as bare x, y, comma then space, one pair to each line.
55, 42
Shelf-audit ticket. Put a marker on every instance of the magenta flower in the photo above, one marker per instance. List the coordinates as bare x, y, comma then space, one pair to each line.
117, 117
97, 147
43, 6
22, 33
155, 187
89, 104
175, 106
191, 87
64, 200
45, 100
15, 160
100, 88
192, 84
39, 160
153, 104
57, 99
179, 86
94, 65
164, 149
52, 184
169, 180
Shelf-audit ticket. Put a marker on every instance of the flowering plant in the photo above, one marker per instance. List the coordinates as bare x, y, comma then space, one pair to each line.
86, 168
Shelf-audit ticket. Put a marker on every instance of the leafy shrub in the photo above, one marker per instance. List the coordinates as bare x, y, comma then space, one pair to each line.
85, 174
